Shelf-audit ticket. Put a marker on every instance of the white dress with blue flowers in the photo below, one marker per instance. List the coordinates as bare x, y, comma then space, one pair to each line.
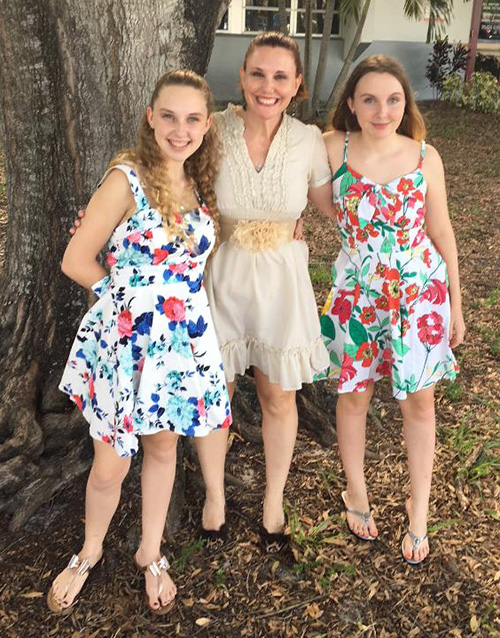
145, 358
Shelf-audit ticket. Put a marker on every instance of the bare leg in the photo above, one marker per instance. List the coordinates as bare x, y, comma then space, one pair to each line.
279, 431
419, 424
102, 498
212, 456
352, 408
157, 480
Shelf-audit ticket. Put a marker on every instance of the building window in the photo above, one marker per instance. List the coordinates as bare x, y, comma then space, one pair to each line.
262, 15
224, 23
490, 20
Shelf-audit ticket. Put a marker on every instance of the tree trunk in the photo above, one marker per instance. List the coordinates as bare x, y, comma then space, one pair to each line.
323, 54
344, 72
282, 16
74, 79
306, 104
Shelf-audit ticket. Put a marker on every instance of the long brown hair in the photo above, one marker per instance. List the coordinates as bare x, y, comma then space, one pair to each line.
412, 124
276, 39
202, 166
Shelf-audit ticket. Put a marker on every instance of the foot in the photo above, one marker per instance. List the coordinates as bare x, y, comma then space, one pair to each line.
213, 516
70, 581
273, 517
160, 588
359, 518
415, 551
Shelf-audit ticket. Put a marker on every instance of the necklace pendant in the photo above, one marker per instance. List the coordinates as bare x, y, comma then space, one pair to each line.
259, 167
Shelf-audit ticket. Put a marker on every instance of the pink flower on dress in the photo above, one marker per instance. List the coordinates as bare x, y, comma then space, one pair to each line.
227, 422
201, 408
105, 438
180, 268
128, 424
384, 367
110, 259
174, 309
348, 371
140, 365
134, 237
159, 256
91, 387
362, 385
431, 329
125, 323
78, 399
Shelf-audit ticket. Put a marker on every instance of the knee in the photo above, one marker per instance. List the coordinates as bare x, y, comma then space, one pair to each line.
355, 404
418, 409
278, 404
105, 477
162, 449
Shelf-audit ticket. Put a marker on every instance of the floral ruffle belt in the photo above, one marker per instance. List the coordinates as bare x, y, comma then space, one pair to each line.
256, 236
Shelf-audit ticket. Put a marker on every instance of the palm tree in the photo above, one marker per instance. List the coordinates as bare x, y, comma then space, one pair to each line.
440, 13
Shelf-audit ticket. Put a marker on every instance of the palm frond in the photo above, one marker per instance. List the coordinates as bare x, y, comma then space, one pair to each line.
350, 9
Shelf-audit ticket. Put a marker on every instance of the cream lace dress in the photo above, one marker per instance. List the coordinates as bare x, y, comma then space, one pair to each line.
258, 284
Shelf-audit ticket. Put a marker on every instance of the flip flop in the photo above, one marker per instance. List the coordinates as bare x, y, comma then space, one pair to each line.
156, 568
416, 542
364, 516
80, 567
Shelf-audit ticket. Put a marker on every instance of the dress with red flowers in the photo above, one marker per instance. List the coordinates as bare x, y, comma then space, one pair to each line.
146, 358
388, 312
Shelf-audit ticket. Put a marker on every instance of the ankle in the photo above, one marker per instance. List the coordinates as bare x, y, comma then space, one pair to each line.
146, 555
91, 551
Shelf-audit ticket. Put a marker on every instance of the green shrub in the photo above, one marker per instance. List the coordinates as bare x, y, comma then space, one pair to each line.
480, 93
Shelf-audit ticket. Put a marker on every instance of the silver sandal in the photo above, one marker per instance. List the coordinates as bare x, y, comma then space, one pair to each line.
81, 567
416, 542
364, 516
156, 568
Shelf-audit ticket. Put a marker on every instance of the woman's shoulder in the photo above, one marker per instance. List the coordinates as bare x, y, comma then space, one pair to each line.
334, 138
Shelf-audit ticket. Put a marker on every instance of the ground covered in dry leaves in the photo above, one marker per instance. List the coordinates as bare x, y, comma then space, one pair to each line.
333, 585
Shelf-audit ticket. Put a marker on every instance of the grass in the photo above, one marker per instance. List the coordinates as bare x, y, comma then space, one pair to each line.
320, 273
491, 337
186, 554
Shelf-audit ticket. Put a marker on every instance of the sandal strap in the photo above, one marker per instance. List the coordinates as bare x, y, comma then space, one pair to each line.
416, 540
81, 566
157, 566
364, 516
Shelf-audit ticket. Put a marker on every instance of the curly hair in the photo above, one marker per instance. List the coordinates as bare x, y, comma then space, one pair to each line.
412, 124
201, 167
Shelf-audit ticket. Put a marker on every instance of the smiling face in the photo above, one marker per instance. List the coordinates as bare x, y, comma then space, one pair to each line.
179, 118
378, 103
269, 81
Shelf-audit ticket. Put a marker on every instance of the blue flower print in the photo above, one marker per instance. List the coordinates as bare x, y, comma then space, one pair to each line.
180, 411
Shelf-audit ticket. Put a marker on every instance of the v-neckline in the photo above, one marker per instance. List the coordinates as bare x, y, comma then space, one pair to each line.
272, 146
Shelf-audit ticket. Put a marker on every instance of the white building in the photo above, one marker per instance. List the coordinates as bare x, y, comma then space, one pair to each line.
387, 30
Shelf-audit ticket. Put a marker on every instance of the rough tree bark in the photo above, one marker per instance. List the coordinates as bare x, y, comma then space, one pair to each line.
74, 79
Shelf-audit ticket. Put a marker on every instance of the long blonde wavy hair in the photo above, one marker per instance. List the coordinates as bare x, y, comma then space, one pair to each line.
202, 167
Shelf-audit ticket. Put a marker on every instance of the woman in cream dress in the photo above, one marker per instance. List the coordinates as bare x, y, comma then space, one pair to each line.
258, 285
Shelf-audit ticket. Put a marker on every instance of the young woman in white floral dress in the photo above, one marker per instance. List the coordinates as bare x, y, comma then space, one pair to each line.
391, 311
145, 362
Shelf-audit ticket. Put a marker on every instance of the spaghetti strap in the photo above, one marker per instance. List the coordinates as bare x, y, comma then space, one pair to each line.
422, 154
346, 145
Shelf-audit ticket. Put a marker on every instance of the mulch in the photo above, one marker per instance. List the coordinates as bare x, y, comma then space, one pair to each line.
330, 585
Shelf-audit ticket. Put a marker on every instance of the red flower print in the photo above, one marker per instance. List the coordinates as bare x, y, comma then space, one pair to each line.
342, 307
394, 317
431, 329
125, 323
405, 185
397, 205
91, 387
366, 353
134, 237
339, 213
159, 256
362, 385
356, 294
367, 315
405, 326
363, 234
402, 237
148, 234
201, 408
174, 309
110, 259
78, 399
381, 270
382, 303
140, 364
180, 268
426, 257
105, 438
227, 422
411, 292
436, 292
391, 288
419, 238
403, 221
384, 368
128, 424
347, 371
